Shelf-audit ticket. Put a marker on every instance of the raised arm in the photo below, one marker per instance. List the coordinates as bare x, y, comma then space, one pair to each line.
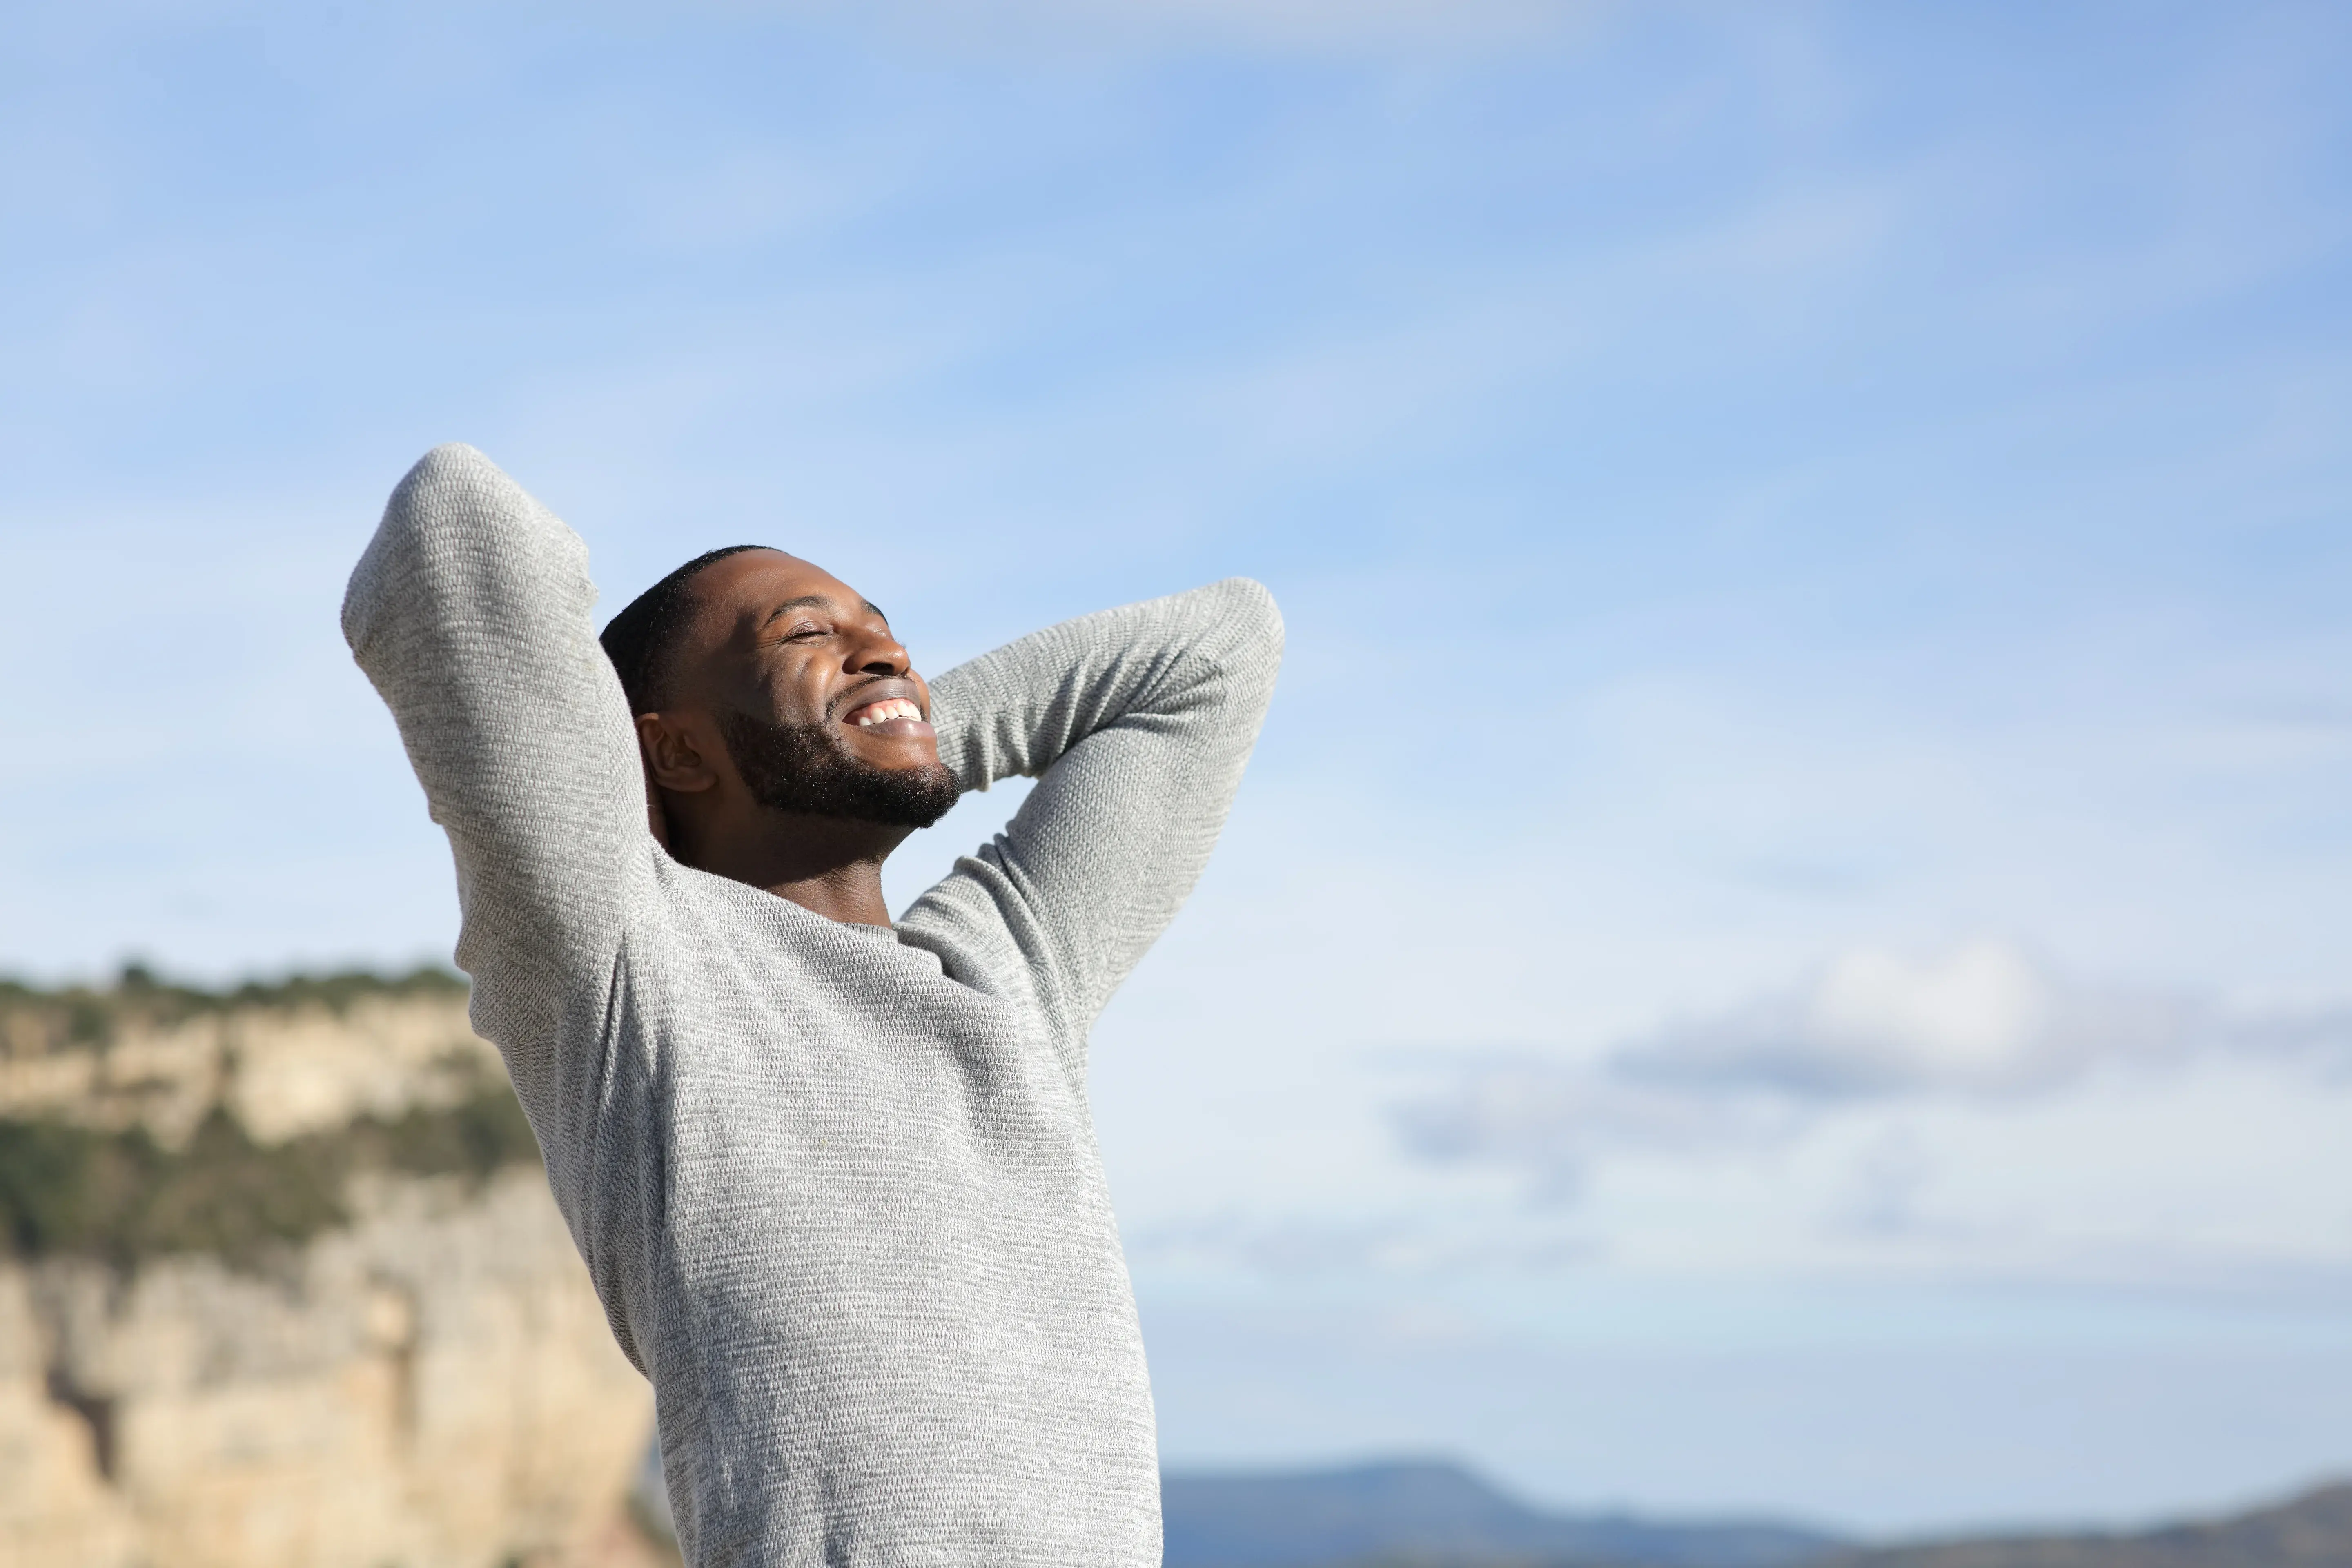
470, 612
1137, 722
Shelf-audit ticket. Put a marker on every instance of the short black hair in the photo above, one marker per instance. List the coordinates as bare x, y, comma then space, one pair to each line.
641, 638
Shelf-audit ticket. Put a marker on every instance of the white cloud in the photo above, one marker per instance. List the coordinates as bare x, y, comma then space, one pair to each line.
1438, 1244
1979, 1017
1549, 1119
1980, 1023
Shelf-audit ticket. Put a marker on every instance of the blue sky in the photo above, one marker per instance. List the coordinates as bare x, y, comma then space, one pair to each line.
1787, 941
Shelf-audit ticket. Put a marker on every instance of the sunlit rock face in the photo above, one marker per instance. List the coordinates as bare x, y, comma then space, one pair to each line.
429, 1383
282, 1063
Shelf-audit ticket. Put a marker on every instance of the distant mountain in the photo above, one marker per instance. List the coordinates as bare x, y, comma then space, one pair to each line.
2314, 1531
1439, 1516
1435, 1515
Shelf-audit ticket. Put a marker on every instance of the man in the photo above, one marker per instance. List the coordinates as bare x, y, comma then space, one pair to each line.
836, 1180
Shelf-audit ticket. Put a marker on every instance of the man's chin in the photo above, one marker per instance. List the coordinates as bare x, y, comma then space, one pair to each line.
919, 796
809, 771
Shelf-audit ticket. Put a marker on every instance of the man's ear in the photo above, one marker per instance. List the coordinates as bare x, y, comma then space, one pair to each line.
673, 760
675, 757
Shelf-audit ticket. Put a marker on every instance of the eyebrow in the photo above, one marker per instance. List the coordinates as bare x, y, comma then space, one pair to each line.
818, 601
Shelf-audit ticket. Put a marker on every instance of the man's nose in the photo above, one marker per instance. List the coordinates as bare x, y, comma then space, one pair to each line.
881, 656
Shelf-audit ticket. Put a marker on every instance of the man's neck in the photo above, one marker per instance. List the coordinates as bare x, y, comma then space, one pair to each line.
829, 866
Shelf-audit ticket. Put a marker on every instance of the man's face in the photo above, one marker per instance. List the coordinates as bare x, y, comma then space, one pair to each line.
820, 708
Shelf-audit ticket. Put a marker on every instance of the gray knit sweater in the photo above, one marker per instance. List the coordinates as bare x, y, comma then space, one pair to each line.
837, 1185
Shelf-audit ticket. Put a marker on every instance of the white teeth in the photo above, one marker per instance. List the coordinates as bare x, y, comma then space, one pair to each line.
882, 712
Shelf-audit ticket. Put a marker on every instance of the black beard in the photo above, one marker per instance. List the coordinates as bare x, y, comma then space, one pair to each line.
806, 769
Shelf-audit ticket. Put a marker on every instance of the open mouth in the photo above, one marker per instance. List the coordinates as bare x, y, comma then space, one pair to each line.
887, 716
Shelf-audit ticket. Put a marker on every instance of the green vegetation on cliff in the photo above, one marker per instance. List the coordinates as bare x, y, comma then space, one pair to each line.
34, 1019
68, 1191
119, 1196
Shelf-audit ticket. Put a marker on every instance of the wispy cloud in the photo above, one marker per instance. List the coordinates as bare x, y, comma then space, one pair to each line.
1981, 1022
1979, 1018
1428, 1244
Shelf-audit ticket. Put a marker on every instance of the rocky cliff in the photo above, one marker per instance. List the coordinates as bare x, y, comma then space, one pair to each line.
282, 1284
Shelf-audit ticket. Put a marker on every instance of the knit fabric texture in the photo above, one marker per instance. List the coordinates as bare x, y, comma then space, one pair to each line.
837, 1185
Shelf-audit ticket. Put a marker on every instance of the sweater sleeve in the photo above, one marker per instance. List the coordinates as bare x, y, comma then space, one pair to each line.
1136, 723
470, 612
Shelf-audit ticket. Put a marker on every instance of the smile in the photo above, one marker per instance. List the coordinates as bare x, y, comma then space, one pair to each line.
892, 715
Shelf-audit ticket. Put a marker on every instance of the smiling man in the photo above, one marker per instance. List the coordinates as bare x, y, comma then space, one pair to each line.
835, 1178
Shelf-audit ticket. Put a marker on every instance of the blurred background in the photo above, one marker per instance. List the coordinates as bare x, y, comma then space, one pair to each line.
1787, 949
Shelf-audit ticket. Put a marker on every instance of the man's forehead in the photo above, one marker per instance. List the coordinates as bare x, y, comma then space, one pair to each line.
755, 584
